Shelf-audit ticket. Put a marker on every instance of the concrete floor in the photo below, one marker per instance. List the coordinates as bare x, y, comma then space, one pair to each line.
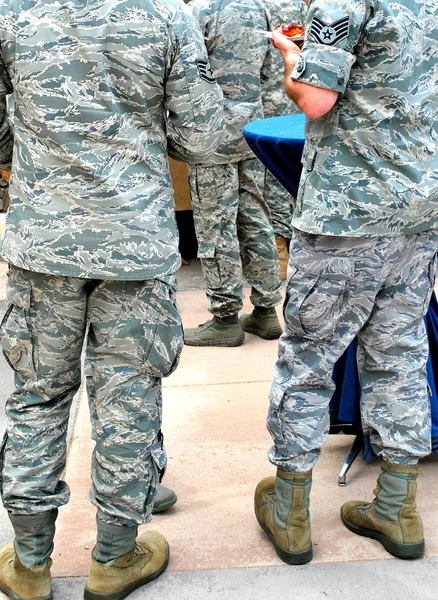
214, 413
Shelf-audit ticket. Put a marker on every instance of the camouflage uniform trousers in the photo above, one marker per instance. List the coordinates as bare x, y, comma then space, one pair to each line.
234, 235
281, 206
135, 339
378, 289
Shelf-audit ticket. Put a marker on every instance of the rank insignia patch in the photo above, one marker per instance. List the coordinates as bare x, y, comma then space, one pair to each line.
329, 33
205, 70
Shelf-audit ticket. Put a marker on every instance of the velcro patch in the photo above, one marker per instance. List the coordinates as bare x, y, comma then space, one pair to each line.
329, 33
205, 71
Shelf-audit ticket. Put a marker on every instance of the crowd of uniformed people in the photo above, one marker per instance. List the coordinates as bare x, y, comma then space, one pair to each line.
104, 93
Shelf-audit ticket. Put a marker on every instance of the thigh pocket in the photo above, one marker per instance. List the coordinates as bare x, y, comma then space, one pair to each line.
208, 215
162, 344
315, 295
16, 331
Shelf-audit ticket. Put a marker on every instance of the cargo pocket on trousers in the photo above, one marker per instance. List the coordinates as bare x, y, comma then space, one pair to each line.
16, 332
210, 267
161, 350
315, 295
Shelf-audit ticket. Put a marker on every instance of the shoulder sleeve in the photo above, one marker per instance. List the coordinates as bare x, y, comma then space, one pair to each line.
333, 29
193, 98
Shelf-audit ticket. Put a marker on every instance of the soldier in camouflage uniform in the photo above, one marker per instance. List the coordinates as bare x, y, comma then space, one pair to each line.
276, 103
103, 92
231, 217
363, 262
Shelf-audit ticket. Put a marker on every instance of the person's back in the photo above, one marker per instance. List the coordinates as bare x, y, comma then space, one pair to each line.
237, 49
103, 92
235, 238
371, 162
93, 84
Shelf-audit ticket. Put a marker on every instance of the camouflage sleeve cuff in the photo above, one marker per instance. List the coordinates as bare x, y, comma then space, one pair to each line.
324, 67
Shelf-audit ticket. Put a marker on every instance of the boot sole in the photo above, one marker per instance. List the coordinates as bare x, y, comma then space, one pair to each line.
227, 343
398, 549
291, 558
270, 335
123, 593
11, 594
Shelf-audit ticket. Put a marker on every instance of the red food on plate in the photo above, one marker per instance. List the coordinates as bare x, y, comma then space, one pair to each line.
290, 29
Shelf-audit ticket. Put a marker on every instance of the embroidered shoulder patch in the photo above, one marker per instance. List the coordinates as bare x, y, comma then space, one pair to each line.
329, 33
205, 71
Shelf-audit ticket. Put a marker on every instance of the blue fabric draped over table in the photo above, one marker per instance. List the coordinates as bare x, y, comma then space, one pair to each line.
278, 142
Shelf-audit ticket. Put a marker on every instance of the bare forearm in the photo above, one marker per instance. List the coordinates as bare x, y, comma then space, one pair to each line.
313, 101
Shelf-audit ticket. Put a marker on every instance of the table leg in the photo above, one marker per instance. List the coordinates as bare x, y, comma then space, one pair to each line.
354, 451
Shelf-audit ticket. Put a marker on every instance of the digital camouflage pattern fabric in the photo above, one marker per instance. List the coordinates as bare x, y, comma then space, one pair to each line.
135, 338
103, 91
371, 163
231, 216
276, 103
385, 285
233, 32
234, 235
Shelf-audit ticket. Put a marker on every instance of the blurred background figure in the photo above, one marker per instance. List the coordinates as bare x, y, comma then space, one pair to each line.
232, 221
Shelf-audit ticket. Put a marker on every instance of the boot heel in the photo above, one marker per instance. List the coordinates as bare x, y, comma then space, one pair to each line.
294, 558
401, 550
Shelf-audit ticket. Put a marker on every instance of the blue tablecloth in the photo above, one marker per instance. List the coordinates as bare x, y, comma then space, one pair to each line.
278, 142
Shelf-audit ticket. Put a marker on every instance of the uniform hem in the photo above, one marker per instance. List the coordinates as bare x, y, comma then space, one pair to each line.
363, 232
69, 272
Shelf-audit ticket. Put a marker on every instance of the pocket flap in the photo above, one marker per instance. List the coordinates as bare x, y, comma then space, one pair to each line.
207, 251
329, 268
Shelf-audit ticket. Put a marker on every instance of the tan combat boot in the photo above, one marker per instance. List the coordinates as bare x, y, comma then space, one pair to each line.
283, 255
281, 506
20, 583
391, 517
117, 579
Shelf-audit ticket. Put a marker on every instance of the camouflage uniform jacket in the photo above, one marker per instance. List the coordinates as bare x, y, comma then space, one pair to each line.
275, 100
370, 166
102, 91
233, 32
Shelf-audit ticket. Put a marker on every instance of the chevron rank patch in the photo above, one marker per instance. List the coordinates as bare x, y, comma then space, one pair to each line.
329, 33
205, 70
